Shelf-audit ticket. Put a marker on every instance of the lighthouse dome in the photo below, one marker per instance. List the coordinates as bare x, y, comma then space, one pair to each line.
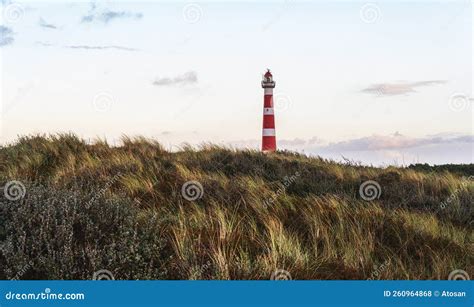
267, 80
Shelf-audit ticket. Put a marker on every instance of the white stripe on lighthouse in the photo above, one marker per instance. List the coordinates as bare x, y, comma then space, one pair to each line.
268, 111
268, 91
268, 132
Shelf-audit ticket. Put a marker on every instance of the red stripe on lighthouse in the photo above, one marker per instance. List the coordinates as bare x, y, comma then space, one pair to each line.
268, 132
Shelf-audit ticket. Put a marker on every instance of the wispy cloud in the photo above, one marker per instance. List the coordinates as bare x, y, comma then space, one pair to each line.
6, 36
393, 141
399, 88
107, 47
396, 141
44, 24
382, 149
107, 15
187, 78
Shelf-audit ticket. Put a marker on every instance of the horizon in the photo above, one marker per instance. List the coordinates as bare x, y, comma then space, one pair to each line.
374, 83
119, 142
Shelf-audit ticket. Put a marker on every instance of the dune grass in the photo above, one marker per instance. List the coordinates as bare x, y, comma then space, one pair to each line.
93, 206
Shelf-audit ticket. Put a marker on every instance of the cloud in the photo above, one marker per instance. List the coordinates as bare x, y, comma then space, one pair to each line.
395, 141
86, 47
383, 150
106, 15
187, 78
398, 149
6, 36
400, 88
44, 24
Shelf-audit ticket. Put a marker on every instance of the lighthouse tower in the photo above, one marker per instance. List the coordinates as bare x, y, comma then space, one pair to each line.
268, 133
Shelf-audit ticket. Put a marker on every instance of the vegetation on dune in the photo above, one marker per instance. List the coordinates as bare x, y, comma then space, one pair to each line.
89, 207
462, 169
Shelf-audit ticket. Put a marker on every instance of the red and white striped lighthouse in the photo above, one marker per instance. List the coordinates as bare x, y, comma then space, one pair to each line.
268, 132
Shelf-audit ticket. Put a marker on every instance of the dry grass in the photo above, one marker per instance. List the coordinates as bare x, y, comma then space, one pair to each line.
91, 207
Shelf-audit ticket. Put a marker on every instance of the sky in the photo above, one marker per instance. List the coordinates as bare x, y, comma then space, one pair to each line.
382, 83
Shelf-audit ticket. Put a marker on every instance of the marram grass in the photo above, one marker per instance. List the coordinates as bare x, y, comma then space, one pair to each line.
89, 207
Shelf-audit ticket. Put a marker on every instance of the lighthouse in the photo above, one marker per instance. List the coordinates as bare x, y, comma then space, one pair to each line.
268, 132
